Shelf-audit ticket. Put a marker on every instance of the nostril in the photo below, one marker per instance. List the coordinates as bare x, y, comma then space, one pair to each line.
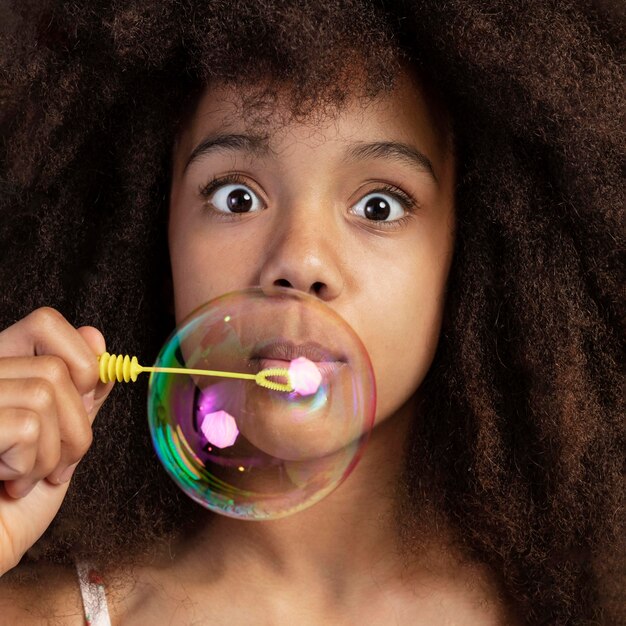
317, 287
282, 282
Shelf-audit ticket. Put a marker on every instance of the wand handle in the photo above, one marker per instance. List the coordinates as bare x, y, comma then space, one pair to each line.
124, 368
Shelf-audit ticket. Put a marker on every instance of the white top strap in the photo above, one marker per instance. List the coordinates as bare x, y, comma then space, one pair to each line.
94, 596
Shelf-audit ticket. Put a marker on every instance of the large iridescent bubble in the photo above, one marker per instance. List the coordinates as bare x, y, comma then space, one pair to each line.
247, 451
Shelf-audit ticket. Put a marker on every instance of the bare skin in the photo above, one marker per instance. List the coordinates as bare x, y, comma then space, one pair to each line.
338, 562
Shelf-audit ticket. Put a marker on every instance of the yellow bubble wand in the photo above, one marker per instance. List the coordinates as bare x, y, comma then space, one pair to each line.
124, 368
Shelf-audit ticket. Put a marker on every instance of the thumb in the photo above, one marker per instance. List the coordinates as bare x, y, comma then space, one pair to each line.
95, 340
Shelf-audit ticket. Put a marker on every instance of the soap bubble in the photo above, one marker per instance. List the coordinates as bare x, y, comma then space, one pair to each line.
245, 450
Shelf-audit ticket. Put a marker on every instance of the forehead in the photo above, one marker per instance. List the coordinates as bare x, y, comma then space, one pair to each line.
409, 112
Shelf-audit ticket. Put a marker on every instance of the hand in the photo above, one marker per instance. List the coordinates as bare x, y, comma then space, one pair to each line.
50, 394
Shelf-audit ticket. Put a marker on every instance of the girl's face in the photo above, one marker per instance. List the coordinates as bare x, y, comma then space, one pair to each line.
357, 211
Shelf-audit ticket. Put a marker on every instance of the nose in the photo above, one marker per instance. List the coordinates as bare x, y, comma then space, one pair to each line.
305, 254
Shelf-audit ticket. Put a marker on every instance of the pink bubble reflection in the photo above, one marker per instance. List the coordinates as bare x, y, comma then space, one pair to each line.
304, 375
219, 428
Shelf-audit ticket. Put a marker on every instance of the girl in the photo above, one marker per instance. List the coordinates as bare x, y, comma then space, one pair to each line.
445, 176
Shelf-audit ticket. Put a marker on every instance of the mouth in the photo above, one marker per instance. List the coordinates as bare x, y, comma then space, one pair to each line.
281, 353
285, 350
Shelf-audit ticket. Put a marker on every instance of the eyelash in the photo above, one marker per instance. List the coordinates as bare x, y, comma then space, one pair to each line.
409, 204
218, 181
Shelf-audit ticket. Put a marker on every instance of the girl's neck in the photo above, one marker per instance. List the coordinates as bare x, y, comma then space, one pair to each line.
347, 531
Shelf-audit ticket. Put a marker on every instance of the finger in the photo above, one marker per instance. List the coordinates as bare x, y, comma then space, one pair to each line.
95, 340
37, 396
19, 437
46, 331
74, 423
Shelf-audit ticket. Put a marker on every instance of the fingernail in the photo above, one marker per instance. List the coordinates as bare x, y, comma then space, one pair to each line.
67, 474
88, 400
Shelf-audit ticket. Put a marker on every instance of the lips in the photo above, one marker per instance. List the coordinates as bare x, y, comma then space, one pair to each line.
287, 351
281, 353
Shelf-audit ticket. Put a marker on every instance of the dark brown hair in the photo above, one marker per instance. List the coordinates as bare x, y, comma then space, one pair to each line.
520, 438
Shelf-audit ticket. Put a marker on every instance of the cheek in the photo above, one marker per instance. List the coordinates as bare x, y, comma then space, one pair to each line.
405, 323
204, 265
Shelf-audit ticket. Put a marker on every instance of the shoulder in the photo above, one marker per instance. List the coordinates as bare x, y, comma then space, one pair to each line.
476, 597
48, 595
447, 590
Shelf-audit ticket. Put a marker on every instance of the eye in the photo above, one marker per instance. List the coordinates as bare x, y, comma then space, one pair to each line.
227, 196
382, 206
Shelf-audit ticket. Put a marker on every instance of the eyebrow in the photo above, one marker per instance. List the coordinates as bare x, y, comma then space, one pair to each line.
392, 151
259, 145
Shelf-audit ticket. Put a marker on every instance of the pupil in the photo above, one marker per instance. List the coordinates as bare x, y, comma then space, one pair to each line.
239, 201
377, 209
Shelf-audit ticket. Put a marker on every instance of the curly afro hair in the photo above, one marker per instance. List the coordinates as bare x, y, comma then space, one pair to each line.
520, 439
